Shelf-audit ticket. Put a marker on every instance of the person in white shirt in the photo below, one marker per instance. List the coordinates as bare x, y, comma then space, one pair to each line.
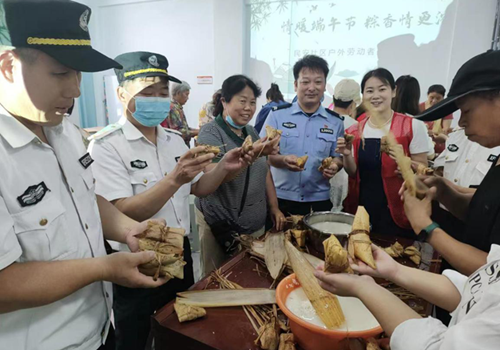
54, 270
346, 98
147, 171
464, 162
473, 301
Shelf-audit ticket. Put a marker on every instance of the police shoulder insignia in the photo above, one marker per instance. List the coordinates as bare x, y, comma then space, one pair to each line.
283, 106
452, 148
335, 114
33, 195
105, 131
139, 164
173, 131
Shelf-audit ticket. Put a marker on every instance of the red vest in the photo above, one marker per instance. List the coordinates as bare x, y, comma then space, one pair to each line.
402, 129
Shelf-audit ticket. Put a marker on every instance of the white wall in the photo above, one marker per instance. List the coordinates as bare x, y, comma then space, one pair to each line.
181, 30
208, 37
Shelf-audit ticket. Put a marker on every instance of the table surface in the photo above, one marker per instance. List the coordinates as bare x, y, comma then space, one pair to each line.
228, 328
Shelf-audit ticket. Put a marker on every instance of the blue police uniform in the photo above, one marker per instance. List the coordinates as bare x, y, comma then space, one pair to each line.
315, 136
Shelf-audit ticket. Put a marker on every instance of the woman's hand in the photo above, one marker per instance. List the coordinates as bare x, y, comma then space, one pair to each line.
235, 160
343, 148
343, 284
278, 219
330, 172
387, 267
419, 211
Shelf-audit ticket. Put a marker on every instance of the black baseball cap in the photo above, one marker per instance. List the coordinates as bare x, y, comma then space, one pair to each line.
143, 64
480, 73
57, 27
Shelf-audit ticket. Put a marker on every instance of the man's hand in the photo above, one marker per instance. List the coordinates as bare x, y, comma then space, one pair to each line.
131, 238
290, 162
121, 268
190, 165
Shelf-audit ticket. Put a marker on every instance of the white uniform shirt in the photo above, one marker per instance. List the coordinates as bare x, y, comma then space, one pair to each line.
465, 163
48, 211
127, 164
475, 323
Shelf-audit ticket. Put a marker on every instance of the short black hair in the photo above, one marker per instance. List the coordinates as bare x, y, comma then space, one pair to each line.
341, 104
438, 89
27, 55
381, 73
232, 86
312, 62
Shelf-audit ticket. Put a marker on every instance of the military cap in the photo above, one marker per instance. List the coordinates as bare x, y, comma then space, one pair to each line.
142, 64
58, 28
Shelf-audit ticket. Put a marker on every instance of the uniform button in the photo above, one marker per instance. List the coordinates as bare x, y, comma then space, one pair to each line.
86, 226
306, 152
94, 180
467, 161
287, 134
180, 220
456, 180
107, 295
447, 158
145, 181
72, 191
166, 173
43, 222
307, 135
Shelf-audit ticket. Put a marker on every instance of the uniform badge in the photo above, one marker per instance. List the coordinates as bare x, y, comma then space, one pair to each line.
86, 160
84, 20
326, 131
492, 158
33, 195
153, 60
289, 125
139, 164
452, 148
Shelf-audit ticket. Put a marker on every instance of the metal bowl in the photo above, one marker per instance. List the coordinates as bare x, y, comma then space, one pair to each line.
318, 236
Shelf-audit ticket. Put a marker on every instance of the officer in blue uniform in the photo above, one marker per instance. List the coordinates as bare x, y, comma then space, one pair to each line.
307, 129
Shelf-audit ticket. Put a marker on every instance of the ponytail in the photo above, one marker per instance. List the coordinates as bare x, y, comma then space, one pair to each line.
219, 108
274, 94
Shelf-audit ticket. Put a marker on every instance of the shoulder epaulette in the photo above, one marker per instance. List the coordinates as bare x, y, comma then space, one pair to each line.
105, 131
173, 131
283, 106
335, 114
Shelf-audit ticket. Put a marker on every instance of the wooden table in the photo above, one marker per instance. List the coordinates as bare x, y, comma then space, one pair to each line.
229, 328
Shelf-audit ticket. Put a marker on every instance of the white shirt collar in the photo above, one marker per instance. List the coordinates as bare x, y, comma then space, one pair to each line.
13, 131
132, 133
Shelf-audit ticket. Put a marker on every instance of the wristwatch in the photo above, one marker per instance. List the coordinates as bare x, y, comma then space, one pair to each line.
424, 235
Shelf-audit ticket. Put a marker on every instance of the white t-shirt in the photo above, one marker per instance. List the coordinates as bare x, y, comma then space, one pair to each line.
475, 323
419, 143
